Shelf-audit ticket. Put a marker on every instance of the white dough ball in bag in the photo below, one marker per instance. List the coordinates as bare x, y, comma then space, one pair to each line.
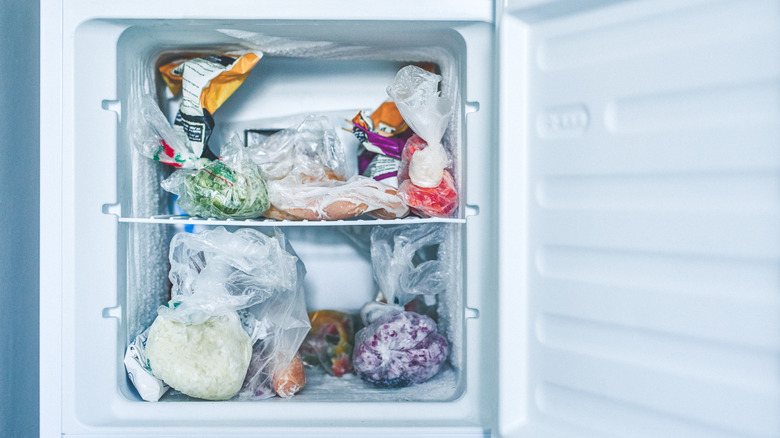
207, 360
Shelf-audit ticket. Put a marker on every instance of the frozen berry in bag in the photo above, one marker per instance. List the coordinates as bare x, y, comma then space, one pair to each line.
399, 349
439, 201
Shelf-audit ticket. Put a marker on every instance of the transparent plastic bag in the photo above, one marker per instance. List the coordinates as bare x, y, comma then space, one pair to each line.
231, 187
334, 200
310, 151
399, 268
416, 94
155, 138
305, 167
426, 185
252, 278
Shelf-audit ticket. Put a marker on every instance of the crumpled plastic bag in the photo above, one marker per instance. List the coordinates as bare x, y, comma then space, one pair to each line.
310, 151
155, 138
243, 276
230, 187
393, 256
426, 185
305, 167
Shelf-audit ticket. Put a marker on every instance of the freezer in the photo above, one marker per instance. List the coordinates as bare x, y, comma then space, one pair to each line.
611, 264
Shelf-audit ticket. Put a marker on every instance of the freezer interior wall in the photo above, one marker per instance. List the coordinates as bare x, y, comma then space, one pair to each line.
302, 71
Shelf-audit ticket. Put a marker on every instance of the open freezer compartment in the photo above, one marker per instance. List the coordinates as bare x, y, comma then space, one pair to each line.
312, 67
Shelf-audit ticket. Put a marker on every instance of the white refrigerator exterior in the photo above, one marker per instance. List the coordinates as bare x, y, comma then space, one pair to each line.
621, 176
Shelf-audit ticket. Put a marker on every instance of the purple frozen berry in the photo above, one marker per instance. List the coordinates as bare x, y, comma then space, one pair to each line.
399, 349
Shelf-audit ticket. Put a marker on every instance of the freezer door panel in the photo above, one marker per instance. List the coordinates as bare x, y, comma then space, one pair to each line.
640, 219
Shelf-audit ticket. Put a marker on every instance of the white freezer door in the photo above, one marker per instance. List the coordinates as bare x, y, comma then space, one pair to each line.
640, 219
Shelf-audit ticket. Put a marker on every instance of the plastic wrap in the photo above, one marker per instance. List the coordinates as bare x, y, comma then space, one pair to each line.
231, 187
310, 151
223, 283
399, 269
305, 167
426, 186
399, 349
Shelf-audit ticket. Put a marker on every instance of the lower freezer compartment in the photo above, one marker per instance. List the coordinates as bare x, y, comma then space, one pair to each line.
338, 277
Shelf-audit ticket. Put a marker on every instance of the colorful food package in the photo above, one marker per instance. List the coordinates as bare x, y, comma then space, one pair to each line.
305, 167
230, 187
235, 320
205, 83
399, 349
329, 342
382, 137
427, 187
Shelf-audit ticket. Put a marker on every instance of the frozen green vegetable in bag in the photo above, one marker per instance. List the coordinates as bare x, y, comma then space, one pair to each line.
231, 187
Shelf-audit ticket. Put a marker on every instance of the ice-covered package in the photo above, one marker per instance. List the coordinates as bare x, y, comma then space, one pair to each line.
426, 184
233, 295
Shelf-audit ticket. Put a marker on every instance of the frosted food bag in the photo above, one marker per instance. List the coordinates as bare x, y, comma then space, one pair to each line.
399, 349
305, 167
236, 317
426, 184
230, 187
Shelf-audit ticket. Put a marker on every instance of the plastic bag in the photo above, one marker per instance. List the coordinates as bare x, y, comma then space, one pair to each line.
219, 278
305, 167
399, 349
206, 360
399, 271
231, 187
155, 138
310, 151
329, 342
426, 186
335, 200
439, 201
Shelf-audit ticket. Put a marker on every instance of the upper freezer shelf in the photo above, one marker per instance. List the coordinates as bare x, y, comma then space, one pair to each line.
252, 131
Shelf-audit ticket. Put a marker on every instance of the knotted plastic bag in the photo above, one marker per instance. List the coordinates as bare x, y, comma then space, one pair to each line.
245, 288
230, 187
426, 186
